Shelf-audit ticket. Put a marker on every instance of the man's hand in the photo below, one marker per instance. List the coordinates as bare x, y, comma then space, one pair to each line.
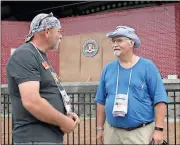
157, 136
71, 125
100, 137
74, 116
160, 112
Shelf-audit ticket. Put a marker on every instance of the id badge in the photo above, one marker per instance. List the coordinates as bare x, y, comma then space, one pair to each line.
120, 102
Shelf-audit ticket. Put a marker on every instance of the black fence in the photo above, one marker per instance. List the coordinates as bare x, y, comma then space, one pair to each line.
85, 107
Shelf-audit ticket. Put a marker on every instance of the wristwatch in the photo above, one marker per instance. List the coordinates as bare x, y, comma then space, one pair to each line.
158, 129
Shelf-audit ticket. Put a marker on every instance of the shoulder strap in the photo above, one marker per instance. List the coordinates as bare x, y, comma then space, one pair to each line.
65, 97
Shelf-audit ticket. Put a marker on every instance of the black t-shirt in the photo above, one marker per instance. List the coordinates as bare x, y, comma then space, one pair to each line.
26, 65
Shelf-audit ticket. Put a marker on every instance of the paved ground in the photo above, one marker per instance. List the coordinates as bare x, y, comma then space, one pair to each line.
82, 136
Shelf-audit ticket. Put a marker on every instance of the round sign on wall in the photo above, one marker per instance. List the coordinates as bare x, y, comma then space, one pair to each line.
90, 48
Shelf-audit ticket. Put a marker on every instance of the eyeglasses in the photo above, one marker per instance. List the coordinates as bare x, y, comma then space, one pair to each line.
118, 41
49, 15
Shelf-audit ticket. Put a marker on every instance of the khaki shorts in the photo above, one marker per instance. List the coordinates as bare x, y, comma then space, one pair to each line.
113, 135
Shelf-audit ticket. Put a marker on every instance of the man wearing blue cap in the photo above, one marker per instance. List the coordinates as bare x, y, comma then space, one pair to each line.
40, 106
131, 98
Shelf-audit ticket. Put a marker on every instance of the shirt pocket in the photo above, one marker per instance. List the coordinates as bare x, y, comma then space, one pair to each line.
139, 91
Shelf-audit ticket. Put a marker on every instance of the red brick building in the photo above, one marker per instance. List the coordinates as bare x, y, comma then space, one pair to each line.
157, 26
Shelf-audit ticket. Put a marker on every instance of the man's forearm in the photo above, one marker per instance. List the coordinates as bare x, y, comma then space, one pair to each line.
100, 115
160, 112
45, 112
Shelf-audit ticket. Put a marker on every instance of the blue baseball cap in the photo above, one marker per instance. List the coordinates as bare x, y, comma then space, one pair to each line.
125, 32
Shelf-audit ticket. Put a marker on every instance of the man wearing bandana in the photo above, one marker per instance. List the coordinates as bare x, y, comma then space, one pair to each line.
131, 98
40, 115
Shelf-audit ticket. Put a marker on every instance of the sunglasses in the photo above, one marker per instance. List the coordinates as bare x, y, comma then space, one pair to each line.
49, 15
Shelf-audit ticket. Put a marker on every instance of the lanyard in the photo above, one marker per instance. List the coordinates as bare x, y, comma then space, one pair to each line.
62, 91
117, 83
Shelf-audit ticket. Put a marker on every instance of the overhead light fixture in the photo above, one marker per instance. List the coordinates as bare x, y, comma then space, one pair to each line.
97, 9
87, 11
103, 8
130, 3
114, 5
92, 10
119, 4
108, 6
125, 3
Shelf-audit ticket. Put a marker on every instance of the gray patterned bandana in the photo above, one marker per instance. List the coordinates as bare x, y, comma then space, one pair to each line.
40, 23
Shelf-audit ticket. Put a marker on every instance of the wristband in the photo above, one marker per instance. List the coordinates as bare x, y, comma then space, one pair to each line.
158, 128
100, 128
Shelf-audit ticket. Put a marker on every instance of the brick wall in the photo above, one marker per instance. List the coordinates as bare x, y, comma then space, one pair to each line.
177, 27
158, 27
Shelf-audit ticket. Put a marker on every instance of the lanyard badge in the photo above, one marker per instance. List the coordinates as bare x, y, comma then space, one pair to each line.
65, 97
120, 107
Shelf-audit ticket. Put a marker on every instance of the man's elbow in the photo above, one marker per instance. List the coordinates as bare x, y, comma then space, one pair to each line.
30, 104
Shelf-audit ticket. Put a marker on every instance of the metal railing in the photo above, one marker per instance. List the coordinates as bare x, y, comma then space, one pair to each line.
84, 105
173, 117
